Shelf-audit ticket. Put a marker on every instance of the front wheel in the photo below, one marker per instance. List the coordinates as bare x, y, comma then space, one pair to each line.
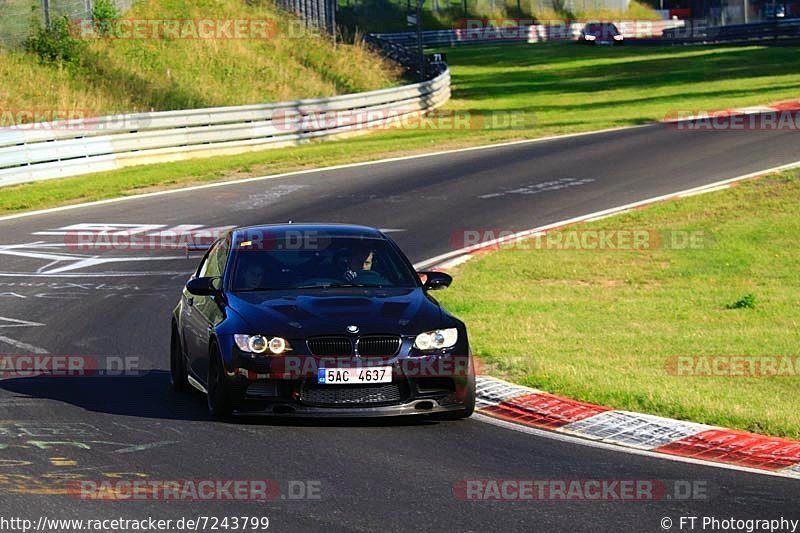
455, 415
220, 404
469, 407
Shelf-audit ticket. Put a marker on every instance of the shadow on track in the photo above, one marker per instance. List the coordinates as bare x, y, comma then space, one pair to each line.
150, 396
147, 395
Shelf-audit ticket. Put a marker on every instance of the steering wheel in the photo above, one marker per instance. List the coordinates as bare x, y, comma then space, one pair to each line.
370, 277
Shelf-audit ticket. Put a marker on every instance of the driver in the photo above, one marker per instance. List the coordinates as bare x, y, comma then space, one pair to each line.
253, 276
359, 260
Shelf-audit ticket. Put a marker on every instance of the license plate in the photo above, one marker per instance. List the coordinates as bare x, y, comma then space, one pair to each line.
354, 376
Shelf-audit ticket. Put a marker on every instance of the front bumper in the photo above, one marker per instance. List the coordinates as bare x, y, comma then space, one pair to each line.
403, 396
439, 383
414, 407
436, 382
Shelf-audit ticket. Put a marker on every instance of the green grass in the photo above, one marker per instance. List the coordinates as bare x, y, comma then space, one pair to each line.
595, 326
568, 88
124, 75
601, 326
547, 89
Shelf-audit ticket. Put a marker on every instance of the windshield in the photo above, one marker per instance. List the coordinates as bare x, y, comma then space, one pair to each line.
601, 29
331, 262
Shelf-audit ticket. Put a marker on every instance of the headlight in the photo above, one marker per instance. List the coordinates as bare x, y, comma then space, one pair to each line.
260, 344
437, 339
618, 37
590, 37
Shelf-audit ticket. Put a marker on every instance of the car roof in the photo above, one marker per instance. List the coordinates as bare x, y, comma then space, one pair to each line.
326, 230
600, 25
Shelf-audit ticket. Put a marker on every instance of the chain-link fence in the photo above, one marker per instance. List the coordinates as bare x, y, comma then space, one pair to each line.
596, 5
320, 14
18, 17
379, 16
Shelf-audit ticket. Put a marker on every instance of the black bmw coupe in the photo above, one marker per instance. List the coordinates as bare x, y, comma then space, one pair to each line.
319, 320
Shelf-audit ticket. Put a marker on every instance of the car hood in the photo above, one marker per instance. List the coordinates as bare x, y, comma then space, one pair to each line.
294, 314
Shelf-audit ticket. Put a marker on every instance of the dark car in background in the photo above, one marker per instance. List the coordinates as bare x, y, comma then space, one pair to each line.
601, 33
320, 320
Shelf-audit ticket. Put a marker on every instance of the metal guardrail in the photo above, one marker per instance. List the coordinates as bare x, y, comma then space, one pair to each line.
770, 32
533, 33
43, 151
406, 54
667, 32
457, 37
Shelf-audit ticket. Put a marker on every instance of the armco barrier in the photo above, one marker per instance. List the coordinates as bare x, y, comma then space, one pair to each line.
770, 32
532, 33
41, 151
658, 33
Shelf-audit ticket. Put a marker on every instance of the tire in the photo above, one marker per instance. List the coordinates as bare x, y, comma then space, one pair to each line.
220, 404
454, 415
469, 408
177, 364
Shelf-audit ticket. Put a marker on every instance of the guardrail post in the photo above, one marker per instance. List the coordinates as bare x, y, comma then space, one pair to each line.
333, 6
420, 44
46, 10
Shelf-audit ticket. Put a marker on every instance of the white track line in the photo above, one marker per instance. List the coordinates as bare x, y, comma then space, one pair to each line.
316, 170
440, 259
461, 255
23, 345
428, 263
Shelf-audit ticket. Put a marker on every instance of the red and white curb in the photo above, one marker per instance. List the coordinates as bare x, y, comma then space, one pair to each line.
533, 408
523, 406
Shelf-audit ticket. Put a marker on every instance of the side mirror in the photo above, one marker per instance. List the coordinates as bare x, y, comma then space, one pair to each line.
203, 286
435, 280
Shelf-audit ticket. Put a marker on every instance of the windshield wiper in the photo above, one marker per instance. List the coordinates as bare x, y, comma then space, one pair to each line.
335, 286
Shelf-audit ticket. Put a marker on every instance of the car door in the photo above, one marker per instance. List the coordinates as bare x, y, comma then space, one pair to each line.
189, 326
206, 311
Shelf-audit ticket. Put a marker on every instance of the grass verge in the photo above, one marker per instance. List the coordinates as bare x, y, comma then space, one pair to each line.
607, 326
138, 71
545, 89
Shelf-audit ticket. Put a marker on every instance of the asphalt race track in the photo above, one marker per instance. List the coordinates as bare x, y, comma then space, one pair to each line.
370, 475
